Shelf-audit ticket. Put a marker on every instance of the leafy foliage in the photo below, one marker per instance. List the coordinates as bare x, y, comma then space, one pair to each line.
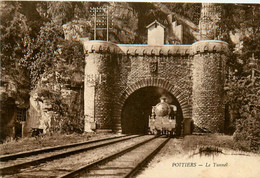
14, 35
61, 86
44, 50
244, 99
31, 51
62, 64
243, 84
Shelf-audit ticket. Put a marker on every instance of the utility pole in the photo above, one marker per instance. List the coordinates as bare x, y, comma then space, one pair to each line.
107, 25
101, 20
95, 24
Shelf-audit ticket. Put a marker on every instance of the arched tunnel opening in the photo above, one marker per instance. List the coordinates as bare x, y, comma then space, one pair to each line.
138, 107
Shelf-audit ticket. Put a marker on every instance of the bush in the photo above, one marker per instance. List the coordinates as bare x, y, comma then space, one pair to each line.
57, 74
247, 135
244, 95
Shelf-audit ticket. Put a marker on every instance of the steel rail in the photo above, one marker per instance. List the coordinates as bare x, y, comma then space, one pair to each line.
140, 165
15, 168
50, 149
82, 170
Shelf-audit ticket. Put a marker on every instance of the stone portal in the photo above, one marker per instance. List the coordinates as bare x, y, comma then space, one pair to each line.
194, 74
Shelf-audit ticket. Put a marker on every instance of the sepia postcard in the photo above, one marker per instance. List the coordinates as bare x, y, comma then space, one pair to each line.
143, 89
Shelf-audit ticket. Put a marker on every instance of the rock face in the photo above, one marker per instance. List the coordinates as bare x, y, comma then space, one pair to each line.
76, 29
8, 116
55, 105
38, 116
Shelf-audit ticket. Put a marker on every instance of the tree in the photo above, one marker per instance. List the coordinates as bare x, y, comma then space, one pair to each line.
243, 83
57, 66
15, 34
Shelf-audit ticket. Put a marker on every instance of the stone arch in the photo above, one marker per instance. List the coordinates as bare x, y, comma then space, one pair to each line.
154, 82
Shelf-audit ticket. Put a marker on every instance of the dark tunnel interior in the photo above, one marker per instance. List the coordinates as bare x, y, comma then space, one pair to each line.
138, 107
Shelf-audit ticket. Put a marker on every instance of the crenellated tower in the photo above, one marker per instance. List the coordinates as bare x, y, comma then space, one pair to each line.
99, 84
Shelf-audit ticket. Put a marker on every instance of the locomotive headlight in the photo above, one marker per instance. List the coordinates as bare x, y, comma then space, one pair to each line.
174, 108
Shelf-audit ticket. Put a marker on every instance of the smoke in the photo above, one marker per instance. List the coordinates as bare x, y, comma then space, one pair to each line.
165, 94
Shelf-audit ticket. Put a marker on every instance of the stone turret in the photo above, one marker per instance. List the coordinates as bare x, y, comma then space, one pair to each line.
98, 84
208, 84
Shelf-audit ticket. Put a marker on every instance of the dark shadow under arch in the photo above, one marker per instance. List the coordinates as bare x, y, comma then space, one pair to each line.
138, 106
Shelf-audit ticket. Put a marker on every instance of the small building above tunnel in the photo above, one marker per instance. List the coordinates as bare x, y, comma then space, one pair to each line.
155, 33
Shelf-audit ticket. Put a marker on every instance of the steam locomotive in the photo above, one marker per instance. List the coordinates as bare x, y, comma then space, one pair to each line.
163, 119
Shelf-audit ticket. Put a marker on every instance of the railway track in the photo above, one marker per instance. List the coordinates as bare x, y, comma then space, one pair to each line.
50, 149
11, 164
128, 155
125, 163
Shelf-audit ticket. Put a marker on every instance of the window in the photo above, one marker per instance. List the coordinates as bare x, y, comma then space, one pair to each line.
21, 114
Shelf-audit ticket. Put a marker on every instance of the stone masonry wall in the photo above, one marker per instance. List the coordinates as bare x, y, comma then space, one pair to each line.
208, 111
99, 79
208, 88
174, 69
192, 73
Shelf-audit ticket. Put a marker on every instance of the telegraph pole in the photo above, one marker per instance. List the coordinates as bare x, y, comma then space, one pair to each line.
107, 25
95, 24
100, 19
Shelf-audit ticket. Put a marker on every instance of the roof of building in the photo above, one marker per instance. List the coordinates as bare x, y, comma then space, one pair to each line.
155, 22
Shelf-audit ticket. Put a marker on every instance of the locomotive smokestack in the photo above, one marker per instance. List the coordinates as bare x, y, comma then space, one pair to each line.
163, 99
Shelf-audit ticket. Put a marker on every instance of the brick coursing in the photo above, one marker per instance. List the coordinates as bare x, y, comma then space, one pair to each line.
173, 69
101, 66
193, 74
208, 91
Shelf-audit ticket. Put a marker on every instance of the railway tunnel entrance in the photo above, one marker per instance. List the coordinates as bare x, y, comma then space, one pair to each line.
138, 107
